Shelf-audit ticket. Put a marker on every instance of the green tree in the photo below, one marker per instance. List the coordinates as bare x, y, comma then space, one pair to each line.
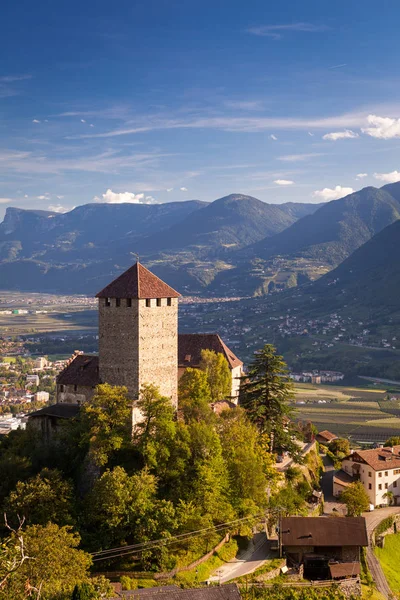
218, 374
95, 589
45, 498
356, 499
106, 422
122, 507
340, 447
265, 393
245, 462
155, 434
389, 496
53, 566
392, 441
194, 395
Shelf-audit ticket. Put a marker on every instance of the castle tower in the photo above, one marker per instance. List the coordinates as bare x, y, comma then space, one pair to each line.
138, 333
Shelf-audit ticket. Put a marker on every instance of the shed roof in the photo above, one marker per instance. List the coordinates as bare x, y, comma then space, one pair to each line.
60, 410
82, 370
342, 570
324, 531
190, 346
342, 478
170, 592
138, 282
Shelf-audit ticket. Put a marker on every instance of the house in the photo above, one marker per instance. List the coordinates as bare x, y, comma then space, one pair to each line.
47, 420
325, 437
379, 472
139, 343
190, 346
315, 544
32, 380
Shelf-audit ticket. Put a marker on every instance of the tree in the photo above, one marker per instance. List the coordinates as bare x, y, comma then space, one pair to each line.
155, 434
389, 496
54, 567
265, 393
340, 446
245, 462
356, 499
42, 499
218, 374
106, 422
392, 441
194, 395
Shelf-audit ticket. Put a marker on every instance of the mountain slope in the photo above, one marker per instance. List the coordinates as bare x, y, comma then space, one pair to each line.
230, 222
313, 245
186, 243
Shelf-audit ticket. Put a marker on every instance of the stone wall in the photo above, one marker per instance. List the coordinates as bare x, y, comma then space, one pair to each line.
119, 344
138, 345
158, 346
71, 394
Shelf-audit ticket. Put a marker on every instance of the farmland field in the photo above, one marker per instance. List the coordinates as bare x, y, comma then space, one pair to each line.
357, 420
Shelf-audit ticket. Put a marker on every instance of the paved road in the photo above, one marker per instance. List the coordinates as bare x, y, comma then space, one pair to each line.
373, 519
331, 504
247, 562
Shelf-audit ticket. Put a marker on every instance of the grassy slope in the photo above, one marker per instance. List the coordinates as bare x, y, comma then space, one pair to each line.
389, 557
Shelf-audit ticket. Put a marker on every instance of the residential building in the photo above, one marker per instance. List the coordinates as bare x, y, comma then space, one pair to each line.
41, 397
41, 362
325, 437
32, 380
379, 472
315, 545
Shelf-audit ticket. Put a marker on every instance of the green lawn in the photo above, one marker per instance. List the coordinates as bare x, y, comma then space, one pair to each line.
389, 557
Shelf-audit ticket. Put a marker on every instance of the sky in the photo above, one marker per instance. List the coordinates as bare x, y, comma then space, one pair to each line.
165, 100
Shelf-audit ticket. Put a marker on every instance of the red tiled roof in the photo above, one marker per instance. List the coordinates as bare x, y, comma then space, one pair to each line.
380, 459
138, 282
83, 370
327, 435
190, 346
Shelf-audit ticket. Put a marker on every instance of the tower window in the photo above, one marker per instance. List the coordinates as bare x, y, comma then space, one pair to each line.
169, 301
158, 301
107, 302
118, 302
129, 302
148, 302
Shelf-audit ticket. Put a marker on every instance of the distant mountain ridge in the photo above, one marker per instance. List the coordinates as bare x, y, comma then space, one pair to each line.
314, 244
186, 242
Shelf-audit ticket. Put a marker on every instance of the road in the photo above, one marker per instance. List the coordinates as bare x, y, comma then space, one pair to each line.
246, 562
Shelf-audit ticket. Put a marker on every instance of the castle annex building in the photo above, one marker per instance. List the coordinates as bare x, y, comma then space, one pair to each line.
138, 344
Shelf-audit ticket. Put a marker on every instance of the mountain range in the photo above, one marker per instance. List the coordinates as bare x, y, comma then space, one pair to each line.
234, 246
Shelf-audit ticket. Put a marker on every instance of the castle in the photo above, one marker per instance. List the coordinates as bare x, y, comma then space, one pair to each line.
138, 344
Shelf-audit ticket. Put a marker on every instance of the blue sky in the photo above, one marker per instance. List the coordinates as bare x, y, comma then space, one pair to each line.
158, 101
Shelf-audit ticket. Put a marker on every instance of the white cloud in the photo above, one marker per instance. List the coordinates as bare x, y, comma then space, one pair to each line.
299, 157
13, 78
274, 31
273, 137
124, 197
384, 128
91, 125
284, 182
83, 121
43, 197
57, 208
183, 189
35, 121
340, 135
60, 197
170, 189
310, 134
388, 177
333, 194
5, 200
361, 175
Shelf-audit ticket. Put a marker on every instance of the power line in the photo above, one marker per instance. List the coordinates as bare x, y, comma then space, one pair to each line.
138, 548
